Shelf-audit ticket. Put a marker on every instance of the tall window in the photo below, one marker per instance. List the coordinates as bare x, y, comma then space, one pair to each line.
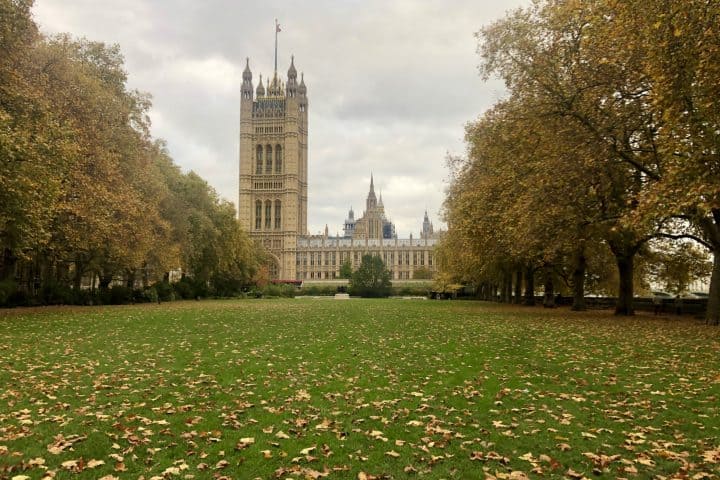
278, 218
268, 213
258, 215
268, 159
278, 159
258, 159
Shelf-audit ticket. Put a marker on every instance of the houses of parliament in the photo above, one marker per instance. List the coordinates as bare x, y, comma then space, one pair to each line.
274, 193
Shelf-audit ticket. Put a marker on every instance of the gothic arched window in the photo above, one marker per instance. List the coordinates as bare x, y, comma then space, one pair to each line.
258, 159
258, 215
268, 159
278, 218
278, 159
268, 214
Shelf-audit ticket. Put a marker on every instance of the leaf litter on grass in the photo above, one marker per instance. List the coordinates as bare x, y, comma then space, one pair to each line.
367, 389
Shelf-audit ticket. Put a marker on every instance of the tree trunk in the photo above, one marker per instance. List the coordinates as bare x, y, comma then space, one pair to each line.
507, 288
711, 227
61, 273
712, 316
518, 287
130, 280
529, 286
625, 292
77, 278
579, 279
549, 294
105, 282
7, 265
145, 279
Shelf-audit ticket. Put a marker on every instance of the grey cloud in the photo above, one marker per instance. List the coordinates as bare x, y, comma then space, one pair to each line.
391, 85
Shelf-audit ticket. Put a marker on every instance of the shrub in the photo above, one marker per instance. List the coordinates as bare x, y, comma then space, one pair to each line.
411, 291
164, 291
53, 293
119, 295
270, 290
7, 289
150, 294
319, 290
185, 288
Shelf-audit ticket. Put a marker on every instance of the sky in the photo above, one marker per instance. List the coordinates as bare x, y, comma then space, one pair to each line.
391, 85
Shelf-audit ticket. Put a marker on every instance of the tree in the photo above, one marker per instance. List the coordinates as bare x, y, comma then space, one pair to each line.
84, 188
676, 265
559, 57
422, 273
34, 145
346, 269
371, 279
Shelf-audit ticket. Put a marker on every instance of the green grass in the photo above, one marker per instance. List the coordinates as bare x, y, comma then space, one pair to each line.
384, 388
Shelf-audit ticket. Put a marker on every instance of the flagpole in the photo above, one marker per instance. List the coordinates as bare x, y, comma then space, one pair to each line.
276, 32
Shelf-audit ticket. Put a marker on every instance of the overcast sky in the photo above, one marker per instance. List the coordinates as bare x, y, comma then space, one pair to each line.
390, 83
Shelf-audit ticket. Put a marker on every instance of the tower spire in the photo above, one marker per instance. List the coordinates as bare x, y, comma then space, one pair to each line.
371, 201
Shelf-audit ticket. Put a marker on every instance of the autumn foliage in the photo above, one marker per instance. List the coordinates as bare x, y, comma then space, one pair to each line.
607, 140
87, 196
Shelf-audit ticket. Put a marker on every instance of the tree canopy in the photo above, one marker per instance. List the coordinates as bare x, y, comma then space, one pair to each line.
85, 190
607, 139
371, 279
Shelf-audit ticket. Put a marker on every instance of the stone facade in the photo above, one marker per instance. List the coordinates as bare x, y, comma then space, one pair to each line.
273, 165
320, 257
273, 194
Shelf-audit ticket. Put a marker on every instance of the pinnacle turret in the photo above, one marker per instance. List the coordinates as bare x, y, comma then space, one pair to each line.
292, 73
302, 89
292, 85
247, 74
246, 89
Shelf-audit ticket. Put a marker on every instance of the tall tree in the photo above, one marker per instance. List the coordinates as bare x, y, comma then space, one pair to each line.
371, 279
34, 146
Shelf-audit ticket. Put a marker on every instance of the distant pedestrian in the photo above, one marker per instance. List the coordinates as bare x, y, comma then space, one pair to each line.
678, 305
657, 304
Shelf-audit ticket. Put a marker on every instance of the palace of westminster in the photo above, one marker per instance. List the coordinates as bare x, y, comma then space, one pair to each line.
274, 194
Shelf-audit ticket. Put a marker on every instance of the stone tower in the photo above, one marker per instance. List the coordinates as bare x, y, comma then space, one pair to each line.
273, 165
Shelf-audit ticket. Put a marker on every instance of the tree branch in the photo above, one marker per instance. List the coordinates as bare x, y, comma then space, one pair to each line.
688, 236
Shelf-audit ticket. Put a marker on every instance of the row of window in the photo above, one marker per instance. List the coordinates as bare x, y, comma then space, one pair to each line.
275, 243
269, 219
331, 259
271, 129
268, 165
268, 185
334, 275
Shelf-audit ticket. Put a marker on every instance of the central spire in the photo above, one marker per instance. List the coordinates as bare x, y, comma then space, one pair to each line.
371, 201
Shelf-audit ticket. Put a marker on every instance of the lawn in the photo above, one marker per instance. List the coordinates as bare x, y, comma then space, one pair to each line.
358, 389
